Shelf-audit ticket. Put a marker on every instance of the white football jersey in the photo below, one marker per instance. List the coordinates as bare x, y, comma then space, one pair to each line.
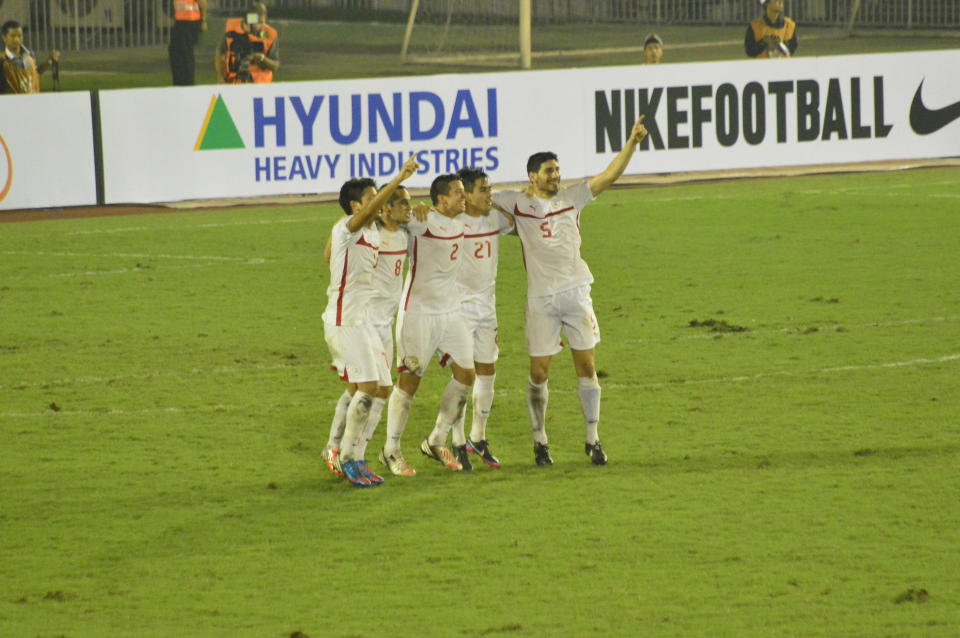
549, 231
388, 276
436, 252
353, 257
481, 249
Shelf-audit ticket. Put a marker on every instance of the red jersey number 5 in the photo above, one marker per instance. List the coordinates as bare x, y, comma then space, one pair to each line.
545, 227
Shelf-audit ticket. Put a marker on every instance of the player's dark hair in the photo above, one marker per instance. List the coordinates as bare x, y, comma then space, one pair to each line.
441, 186
9, 26
470, 176
537, 159
352, 191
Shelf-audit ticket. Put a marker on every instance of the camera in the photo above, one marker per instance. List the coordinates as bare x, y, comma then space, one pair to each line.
242, 48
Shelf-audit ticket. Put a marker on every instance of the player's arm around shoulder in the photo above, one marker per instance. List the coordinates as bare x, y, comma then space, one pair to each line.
612, 173
501, 201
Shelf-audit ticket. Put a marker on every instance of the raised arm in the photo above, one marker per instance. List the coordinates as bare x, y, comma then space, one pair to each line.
362, 217
603, 181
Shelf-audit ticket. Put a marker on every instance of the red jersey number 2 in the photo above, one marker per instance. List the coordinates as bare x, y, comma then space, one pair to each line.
453, 253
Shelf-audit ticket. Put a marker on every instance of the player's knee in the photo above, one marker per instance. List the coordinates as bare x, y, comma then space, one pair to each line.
466, 376
539, 369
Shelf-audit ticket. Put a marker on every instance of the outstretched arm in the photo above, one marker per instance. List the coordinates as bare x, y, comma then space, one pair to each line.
603, 181
362, 217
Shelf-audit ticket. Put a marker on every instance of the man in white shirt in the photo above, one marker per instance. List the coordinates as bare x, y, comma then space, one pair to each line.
483, 226
387, 285
355, 347
558, 285
430, 323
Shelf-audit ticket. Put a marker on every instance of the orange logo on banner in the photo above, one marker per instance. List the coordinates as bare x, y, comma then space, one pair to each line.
9, 179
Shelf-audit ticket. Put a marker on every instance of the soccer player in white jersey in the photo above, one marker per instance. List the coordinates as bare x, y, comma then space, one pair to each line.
355, 347
430, 323
387, 285
483, 226
547, 217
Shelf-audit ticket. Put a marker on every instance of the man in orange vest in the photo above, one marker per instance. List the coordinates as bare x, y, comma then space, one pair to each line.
19, 71
772, 35
249, 51
189, 20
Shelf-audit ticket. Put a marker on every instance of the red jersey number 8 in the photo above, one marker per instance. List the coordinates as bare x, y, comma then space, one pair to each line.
397, 267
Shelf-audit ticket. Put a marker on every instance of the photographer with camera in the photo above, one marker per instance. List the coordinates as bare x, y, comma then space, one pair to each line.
249, 51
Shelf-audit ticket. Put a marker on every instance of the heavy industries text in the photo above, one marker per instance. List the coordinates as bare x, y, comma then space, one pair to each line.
457, 126
681, 117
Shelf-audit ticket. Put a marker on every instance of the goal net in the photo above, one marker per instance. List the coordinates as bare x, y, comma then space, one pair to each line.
460, 31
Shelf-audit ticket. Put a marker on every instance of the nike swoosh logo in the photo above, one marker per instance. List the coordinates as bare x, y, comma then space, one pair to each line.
925, 121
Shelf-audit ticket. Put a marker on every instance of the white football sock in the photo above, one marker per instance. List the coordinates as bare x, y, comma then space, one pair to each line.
537, 396
482, 404
339, 421
452, 401
373, 420
398, 411
357, 415
457, 433
589, 392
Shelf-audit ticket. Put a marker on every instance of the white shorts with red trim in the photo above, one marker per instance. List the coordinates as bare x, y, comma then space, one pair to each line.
570, 311
357, 354
482, 327
420, 336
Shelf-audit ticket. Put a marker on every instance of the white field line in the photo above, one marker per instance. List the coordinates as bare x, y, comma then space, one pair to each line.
510, 392
750, 331
178, 374
787, 373
124, 271
133, 229
855, 191
213, 259
126, 255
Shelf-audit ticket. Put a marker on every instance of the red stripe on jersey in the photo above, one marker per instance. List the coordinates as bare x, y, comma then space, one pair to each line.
364, 242
496, 232
432, 236
516, 211
393, 252
413, 272
343, 285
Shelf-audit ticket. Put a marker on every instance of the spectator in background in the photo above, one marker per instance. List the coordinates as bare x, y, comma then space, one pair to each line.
189, 20
652, 49
772, 35
250, 49
19, 71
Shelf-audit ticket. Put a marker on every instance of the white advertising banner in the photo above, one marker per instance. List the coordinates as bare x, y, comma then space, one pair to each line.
46, 151
308, 137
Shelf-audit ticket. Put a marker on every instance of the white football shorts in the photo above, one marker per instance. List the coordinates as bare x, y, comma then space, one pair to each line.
482, 327
420, 336
357, 354
570, 311
385, 332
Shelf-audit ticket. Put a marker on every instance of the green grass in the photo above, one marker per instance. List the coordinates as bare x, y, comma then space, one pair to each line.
166, 398
313, 50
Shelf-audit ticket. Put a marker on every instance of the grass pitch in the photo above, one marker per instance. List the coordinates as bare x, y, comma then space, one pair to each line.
779, 360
